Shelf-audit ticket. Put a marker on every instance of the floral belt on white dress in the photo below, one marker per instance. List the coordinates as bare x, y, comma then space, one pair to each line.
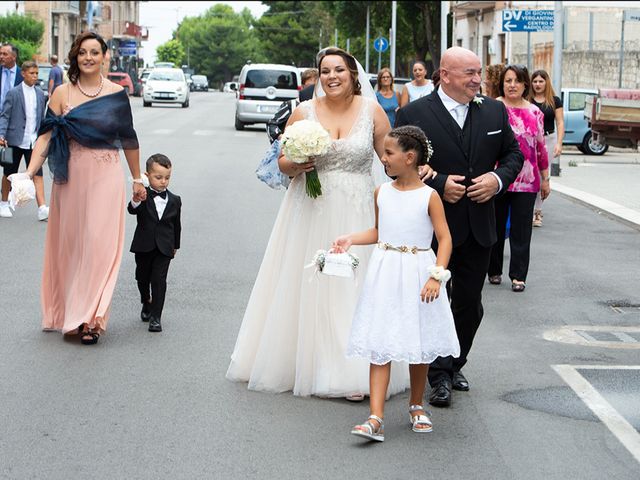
402, 248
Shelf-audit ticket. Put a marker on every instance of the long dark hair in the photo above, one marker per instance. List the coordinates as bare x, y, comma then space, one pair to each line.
351, 65
548, 88
74, 69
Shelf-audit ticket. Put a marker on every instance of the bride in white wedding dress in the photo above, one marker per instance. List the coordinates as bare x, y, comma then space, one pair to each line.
296, 326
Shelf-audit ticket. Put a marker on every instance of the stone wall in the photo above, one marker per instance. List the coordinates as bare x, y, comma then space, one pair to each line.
590, 69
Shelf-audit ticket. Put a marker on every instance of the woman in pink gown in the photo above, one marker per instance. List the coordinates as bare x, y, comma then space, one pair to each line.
88, 120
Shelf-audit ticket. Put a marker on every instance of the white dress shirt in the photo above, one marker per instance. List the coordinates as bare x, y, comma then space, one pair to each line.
454, 108
161, 203
31, 109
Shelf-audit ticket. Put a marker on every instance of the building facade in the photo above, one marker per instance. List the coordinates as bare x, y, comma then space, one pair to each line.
116, 21
591, 33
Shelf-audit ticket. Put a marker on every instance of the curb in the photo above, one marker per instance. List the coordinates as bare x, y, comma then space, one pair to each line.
614, 209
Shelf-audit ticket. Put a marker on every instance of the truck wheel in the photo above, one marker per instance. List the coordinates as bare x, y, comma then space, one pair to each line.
590, 147
239, 125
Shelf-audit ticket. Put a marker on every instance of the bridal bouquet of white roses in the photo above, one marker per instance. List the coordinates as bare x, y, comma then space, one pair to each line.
302, 140
22, 190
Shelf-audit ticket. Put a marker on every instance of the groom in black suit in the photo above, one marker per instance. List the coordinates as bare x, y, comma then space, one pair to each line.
476, 157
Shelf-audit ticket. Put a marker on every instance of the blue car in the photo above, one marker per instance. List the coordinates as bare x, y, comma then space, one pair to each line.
576, 127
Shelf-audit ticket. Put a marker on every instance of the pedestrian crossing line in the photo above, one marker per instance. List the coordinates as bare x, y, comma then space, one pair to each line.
616, 423
204, 133
162, 131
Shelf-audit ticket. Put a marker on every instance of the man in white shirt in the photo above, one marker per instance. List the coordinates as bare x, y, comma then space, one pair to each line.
19, 123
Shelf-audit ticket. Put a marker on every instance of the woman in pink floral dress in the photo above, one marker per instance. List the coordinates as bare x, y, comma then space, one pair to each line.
526, 120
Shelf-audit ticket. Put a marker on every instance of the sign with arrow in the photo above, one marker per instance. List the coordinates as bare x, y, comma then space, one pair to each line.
527, 20
381, 44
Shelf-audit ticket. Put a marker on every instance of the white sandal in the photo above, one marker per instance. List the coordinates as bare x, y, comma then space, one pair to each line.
420, 423
368, 431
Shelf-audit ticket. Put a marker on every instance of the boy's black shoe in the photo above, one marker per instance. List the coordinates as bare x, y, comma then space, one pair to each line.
154, 325
145, 314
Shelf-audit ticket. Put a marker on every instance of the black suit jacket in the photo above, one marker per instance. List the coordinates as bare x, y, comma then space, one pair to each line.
152, 232
493, 148
307, 93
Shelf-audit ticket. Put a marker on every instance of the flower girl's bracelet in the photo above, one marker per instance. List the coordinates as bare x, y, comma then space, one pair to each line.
439, 273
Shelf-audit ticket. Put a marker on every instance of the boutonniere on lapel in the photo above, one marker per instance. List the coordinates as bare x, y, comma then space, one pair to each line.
478, 100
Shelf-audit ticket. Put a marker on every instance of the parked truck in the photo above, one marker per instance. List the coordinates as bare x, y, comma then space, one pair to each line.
614, 117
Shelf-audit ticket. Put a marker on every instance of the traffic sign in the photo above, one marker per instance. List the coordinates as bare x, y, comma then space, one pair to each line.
127, 48
381, 44
527, 20
632, 15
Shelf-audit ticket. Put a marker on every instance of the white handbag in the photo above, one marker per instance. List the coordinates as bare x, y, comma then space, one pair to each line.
335, 264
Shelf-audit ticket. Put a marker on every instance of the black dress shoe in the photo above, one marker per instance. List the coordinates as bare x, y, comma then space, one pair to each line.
154, 325
145, 314
460, 383
441, 394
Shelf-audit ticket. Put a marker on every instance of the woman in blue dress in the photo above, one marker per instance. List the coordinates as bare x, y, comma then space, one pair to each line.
387, 96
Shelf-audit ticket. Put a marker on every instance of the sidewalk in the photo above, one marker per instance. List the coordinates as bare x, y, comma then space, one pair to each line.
610, 183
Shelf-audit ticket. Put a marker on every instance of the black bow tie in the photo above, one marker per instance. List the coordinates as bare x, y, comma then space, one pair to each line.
162, 194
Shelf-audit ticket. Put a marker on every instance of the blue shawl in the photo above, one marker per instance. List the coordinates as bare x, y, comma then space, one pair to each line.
103, 123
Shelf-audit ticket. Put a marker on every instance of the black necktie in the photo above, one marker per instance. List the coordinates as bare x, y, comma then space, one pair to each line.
162, 194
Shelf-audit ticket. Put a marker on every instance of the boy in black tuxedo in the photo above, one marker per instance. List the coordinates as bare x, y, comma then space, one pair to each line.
156, 239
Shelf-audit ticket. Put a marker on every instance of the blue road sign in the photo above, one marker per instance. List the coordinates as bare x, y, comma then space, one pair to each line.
127, 48
381, 44
527, 20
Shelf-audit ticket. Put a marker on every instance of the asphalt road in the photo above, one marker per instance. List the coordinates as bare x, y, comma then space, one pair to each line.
157, 406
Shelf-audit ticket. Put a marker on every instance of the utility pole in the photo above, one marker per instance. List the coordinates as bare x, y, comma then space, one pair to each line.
558, 37
621, 52
444, 34
392, 60
368, 40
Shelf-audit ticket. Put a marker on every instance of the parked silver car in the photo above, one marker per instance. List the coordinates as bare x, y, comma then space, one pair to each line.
262, 88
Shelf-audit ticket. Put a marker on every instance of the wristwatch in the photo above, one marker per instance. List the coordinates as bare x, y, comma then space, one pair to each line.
545, 179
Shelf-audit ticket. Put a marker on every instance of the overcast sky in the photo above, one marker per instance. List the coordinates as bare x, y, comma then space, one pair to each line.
161, 18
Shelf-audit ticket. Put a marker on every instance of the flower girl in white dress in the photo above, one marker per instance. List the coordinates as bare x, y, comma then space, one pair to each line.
403, 313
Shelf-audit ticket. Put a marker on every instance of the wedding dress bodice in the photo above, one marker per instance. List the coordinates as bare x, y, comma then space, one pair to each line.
353, 153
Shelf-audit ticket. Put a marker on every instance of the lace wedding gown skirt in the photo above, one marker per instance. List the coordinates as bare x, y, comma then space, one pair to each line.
296, 326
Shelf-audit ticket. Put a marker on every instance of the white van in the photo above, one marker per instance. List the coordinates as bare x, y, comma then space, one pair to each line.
262, 87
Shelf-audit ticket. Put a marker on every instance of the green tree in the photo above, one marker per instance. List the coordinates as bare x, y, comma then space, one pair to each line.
417, 31
291, 32
171, 51
219, 42
25, 33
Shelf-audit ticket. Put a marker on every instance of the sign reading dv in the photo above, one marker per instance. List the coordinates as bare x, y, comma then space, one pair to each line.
527, 20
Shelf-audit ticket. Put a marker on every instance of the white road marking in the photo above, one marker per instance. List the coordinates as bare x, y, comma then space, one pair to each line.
579, 335
616, 423
204, 132
162, 131
245, 134
624, 337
